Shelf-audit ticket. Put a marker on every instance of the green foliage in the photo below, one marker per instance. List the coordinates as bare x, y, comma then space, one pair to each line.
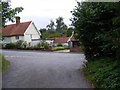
3, 63
51, 26
10, 46
104, 73
94, 24
21, 44
42, 44
8, 13
69, 32
45, 33
59, 45
60, 25
54, 28
61, 48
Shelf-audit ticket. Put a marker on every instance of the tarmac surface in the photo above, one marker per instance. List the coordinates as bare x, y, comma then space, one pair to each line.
33, 69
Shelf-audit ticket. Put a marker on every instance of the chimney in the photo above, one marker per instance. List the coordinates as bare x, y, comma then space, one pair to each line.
17, 20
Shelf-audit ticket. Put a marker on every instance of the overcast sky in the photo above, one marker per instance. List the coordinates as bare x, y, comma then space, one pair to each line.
42, 11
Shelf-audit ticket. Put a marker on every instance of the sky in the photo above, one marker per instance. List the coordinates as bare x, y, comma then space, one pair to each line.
42, 11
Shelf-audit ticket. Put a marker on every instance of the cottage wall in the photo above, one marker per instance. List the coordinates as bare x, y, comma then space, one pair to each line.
13, 38
31, 34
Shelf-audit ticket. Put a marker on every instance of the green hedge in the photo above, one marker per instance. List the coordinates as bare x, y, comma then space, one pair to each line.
103, 73
60, 48
10, 46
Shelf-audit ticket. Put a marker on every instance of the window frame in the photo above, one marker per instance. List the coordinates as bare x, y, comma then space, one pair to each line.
17, 37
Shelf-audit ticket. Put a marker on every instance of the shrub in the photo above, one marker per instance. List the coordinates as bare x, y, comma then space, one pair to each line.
104, 73
60, 48
42, 44
66, 47
59, 45
21, 44
46, 45
10, 46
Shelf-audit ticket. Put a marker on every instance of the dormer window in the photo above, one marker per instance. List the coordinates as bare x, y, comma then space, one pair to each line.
17, 37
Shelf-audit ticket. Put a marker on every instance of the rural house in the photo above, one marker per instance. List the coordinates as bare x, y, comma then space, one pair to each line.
65, 41
25, 31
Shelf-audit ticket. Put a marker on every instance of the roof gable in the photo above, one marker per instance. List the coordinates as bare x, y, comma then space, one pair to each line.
13, 29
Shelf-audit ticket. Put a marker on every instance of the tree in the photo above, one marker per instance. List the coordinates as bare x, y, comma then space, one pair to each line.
93, 22
114, 34
43, 33
8, 13
60, 25
69, 31
51, 25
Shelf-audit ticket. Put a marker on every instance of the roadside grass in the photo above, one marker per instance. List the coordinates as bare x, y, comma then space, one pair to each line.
60, 48
3, 63
103, 73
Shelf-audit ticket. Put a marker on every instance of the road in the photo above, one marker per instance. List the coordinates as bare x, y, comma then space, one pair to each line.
33, 69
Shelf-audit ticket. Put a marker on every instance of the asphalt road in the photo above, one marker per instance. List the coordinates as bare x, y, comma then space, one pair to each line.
30, 69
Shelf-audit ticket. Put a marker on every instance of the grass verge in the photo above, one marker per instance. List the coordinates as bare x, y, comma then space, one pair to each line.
3, 63
103, 73
60, 48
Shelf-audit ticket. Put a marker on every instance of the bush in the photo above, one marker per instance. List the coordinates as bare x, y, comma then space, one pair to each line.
103, 73
42, 44
59, 45
46, 45
21, 44
66, 47
10, 46
60, 48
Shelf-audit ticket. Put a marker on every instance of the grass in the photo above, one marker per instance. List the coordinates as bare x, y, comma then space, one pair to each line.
103, 73
60, 48
3, 63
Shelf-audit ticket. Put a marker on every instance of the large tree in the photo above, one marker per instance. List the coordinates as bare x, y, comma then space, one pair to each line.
93, 22
8, 13
60, 25
51, 26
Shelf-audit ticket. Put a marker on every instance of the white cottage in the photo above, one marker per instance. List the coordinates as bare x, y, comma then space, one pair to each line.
25, 31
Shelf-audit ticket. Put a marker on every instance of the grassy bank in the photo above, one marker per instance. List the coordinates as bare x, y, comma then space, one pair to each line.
3, 63
103, 73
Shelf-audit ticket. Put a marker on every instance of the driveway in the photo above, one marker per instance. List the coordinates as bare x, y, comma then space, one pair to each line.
31, 69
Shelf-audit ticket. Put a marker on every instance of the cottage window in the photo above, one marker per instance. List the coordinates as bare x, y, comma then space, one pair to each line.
16, 37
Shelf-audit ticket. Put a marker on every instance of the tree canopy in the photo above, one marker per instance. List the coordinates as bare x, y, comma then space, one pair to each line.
56, 29
60, 25
97, 27
8, 13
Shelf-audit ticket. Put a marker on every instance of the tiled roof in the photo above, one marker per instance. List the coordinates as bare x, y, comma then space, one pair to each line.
15, 29
61, 40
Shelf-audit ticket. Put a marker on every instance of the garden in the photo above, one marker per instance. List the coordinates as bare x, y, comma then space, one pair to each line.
44, 46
